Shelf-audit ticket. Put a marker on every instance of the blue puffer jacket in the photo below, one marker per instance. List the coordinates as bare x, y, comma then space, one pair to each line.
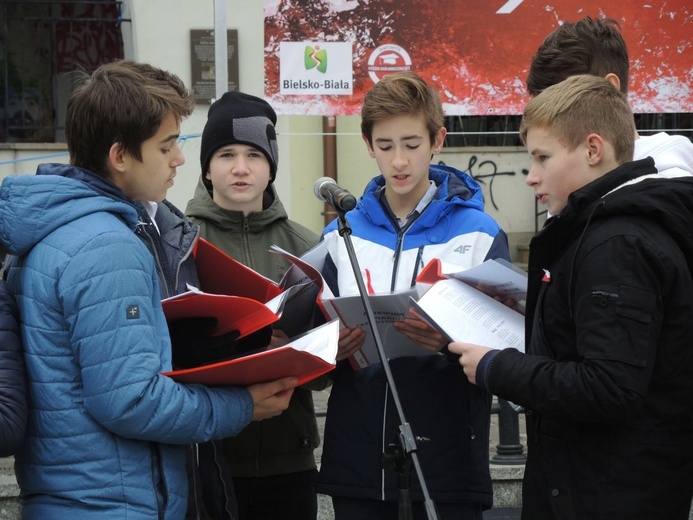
13, 406
106, 429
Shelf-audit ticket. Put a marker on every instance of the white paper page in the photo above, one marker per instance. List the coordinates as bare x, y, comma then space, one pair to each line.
300, 270
387, 308
496, 278
191, 290
321, 342
466, 314
276, 304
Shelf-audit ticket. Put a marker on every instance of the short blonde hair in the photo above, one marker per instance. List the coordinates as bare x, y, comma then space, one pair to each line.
582, 105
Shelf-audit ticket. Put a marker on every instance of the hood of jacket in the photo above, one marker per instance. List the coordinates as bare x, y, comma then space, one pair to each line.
203, 207
672, 154
33, 206
454, 188
635, 189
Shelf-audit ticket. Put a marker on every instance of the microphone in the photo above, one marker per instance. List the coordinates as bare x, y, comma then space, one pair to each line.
327, 190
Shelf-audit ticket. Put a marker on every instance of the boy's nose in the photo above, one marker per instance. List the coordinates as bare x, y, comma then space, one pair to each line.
179, 157
240, 165
400, 160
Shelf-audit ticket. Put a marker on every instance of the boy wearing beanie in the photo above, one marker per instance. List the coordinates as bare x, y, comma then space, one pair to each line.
238, 210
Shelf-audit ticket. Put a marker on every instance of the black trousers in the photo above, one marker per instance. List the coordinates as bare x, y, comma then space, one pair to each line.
280, 497
358, 509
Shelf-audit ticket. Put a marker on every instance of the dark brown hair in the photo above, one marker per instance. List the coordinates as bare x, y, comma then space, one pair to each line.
589, 46
121, 102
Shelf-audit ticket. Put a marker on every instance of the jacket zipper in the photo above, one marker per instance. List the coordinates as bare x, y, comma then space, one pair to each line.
417, 266
159, 481
143, 229
184, 258
248, 260
227, 508
195, 452
401, 232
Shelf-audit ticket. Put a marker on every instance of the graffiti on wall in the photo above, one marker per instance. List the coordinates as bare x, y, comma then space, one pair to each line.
502, 176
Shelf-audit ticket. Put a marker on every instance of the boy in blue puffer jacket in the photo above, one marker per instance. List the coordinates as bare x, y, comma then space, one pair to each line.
107, 431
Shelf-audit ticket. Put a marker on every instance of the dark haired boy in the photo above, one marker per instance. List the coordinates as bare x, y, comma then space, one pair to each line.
596, 46
107, 431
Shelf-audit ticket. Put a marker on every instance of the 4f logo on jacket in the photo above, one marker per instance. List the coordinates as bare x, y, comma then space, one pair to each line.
132, 312
463, 249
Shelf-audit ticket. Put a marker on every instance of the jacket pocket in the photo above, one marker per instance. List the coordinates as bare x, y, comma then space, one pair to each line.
619, 325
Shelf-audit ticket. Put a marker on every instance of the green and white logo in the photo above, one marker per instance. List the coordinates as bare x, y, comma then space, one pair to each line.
315, 58
304, 69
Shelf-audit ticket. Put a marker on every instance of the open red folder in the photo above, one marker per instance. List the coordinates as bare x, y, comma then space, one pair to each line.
234, 294
305, 358
221, 274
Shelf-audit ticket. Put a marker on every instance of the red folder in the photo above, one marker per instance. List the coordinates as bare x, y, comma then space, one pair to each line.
232, 312
306, 358
431, 273
230, 291
221, 274
257, 368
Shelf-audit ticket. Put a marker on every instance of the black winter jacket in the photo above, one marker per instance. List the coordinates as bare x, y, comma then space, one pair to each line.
13, 397
211, 494
608, 384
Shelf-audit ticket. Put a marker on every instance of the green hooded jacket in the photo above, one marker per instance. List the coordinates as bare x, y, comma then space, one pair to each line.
283, 444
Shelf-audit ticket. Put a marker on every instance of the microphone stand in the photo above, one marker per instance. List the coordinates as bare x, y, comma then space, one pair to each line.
403, 455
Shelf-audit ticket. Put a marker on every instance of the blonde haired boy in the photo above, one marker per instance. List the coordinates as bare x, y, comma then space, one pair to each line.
606, 380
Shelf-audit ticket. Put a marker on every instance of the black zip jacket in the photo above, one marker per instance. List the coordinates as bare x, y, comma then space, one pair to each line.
608, 384
211, 494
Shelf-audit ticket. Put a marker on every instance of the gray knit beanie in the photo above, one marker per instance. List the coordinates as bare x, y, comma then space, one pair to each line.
240, 118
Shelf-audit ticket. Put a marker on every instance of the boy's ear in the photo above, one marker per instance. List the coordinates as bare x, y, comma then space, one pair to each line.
613, 79
117, 160
439, 140
595, 149
368, 145
208, 175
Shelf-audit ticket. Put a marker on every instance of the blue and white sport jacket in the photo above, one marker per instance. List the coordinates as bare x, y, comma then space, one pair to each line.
438, 400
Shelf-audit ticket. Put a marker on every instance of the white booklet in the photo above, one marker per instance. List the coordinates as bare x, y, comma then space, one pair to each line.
387, 308
350, 311
464, 313
497, 278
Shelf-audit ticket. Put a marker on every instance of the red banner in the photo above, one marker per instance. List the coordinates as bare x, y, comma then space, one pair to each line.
475, 52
